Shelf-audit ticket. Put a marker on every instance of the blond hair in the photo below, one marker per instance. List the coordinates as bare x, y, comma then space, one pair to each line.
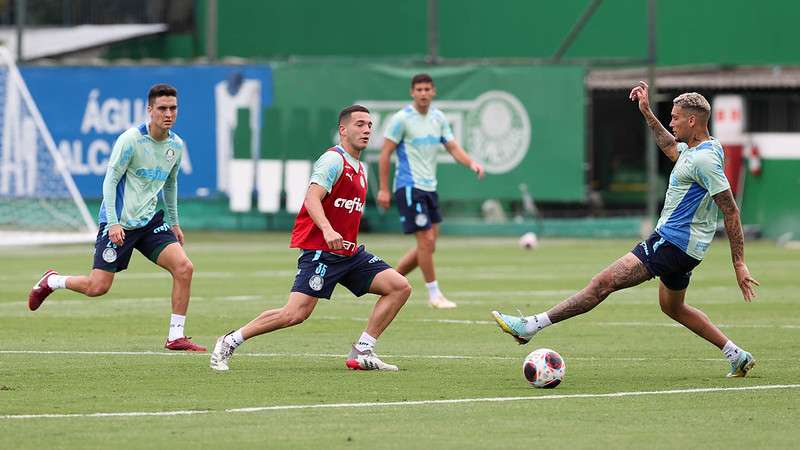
694, 103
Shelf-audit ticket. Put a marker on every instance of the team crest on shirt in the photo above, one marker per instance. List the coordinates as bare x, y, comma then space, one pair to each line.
316, 282
170, 156
421, 220
109, 255
363, 182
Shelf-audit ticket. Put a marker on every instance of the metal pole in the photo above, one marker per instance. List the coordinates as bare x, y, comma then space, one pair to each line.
21, 7
652, 152
211, 30
573, 33
433, 31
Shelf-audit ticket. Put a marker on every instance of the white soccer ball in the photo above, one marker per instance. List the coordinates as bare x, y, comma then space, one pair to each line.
544, 368
529, 241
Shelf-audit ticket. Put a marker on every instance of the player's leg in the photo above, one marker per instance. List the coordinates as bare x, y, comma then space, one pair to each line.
404, 200
368, 273
96, 284
625, 272
173, 258
317, 276
672, 304
109, 258
296, 310
394, 291
421, 215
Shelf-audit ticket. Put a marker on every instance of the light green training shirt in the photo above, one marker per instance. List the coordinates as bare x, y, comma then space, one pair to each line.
139, 168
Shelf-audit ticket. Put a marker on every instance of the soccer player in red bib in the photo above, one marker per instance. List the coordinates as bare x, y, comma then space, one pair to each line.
326, 232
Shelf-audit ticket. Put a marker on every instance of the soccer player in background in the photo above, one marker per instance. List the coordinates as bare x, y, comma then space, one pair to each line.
326, 232
418, 132
144, 161
697, 189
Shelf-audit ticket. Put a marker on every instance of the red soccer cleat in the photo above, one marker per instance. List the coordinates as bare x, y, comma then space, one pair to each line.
184, 344
40, 291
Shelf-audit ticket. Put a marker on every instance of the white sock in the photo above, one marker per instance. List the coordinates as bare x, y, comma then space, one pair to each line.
537, 322
57, 281
365, 342
234, 339
433, 289
176, 323
731, 351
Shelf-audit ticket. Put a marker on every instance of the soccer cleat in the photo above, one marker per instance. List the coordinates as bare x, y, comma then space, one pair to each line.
221, 354
440, 302
184, 344
515, 326
40, 291
743, 364
367, 360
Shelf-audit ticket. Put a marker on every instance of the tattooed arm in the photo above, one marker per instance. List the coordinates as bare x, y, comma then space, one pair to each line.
733, 227
664, 139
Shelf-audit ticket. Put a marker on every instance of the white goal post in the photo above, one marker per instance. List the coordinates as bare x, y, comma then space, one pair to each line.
39, 202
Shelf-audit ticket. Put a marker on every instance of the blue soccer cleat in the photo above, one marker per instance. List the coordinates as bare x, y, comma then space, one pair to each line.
515, 326
743, 364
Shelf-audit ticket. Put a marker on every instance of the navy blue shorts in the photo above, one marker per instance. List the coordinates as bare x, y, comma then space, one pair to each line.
318, 272
418, 209
150, 240
666, 261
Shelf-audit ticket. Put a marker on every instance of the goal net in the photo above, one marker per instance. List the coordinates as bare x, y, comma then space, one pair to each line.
39, 202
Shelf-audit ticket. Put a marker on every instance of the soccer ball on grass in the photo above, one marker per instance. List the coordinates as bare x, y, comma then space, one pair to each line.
544, 368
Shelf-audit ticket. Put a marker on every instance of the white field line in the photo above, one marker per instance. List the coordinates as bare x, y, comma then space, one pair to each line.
340, 355
253, 409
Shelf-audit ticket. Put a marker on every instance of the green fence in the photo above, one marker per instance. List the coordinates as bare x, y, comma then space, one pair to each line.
688, 31
526, 124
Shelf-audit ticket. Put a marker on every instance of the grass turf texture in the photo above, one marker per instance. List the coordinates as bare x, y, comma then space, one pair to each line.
625, 345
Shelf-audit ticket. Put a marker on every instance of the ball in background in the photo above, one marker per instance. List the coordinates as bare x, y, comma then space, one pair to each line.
529, 241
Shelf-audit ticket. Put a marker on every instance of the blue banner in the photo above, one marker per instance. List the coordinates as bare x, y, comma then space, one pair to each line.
86, 108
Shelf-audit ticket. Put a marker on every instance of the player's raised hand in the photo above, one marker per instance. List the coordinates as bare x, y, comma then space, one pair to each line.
639, 93
116, 234
383, 199
477, 168
746, 282
333, 239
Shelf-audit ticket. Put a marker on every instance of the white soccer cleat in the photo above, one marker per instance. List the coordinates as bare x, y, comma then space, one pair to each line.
441, 302
367, 360
221, 355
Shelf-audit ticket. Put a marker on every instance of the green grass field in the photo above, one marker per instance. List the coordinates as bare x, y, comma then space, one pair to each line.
77, 357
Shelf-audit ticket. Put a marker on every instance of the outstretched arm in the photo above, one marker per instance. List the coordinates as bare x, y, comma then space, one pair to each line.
664, 139
733, 227
463, 158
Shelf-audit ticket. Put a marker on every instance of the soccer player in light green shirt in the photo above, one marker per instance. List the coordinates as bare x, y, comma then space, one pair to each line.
697, 189
418, 133
145, 160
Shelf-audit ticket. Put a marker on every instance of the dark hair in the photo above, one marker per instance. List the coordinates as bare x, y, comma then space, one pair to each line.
160, 90
421, 78
345, 114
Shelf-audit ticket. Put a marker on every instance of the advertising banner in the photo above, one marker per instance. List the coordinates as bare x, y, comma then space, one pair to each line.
86, 108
